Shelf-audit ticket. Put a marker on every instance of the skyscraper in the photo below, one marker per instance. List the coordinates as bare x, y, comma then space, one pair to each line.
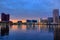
5, 17
56, 16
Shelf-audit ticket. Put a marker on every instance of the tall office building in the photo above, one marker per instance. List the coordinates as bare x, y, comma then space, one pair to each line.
5, 17
56, 16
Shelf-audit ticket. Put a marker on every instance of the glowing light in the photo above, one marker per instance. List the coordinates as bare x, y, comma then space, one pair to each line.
23, 21
14, 20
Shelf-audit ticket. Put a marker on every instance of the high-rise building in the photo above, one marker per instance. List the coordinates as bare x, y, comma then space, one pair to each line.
56, 16
5, 17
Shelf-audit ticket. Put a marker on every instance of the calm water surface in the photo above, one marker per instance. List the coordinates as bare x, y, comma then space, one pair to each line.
27, 32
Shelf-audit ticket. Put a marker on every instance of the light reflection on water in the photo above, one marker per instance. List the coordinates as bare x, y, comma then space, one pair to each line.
27, 32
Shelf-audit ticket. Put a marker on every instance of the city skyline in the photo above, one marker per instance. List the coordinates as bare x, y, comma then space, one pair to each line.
7, 17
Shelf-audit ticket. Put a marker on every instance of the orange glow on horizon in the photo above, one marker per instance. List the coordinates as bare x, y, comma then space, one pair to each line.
23, 21
14, 20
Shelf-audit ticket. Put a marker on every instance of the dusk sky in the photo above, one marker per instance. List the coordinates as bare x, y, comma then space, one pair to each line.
29, 8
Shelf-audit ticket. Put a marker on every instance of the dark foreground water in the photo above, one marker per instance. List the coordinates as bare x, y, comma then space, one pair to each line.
27, 32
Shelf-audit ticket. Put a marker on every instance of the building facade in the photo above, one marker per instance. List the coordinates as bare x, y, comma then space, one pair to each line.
5, 17
56, 16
